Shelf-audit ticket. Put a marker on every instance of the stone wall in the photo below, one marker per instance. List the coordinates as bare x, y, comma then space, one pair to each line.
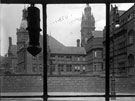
89, 84
79, 84
21, 84
76, 84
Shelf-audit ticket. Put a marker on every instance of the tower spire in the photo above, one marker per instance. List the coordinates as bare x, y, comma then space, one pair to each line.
24, 13
24, 18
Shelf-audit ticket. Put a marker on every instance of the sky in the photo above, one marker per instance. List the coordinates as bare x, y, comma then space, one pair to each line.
63, 21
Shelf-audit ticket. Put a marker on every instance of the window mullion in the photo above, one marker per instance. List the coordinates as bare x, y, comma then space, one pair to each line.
107, 80
45, 92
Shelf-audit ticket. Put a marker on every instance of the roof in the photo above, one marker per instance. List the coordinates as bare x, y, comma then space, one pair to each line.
120, 12
58, 48
97, 34
55, 47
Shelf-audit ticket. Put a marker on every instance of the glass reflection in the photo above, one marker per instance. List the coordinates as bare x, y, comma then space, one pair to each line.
20, 74
75, 49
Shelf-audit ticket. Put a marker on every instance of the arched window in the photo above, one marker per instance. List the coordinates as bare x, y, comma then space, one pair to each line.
131, 60
131, 37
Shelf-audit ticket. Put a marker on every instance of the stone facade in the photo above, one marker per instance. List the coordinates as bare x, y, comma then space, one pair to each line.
85, 58
122, 41
92, 41
65, 60
27, 64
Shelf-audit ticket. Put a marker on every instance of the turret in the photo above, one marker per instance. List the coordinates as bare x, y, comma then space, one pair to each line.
87, 25
23, 24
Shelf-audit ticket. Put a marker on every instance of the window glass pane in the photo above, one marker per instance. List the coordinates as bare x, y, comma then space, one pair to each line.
21, 74
77, 99
21, 99
74, 34
122, 48
124, 99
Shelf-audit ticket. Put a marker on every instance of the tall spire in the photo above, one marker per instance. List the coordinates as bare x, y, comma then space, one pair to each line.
24, 13
24, 19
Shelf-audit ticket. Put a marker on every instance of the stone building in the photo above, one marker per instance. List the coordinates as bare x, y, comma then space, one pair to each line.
27, 64
9, 61
66, 60
85, 58
92, 41
122, 41
61, 59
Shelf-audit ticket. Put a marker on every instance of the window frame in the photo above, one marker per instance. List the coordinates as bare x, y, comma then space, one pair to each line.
44, 3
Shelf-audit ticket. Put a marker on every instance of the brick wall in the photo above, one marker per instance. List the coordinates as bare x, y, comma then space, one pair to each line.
21, 84
89, 84
86, 84
76, 84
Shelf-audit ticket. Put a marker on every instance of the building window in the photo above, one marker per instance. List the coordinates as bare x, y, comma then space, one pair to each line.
61, 68
40, 68
34, 68
98, 54
75, 68
130, 60
52, 55
78, 58
40, 57
83, 58
122, 45
84, 68
33, 58
122, 68
78, 68
53, 68
130, 37
95, 67
69, 68
69, 57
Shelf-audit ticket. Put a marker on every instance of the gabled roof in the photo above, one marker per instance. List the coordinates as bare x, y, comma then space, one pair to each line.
55, 47
58, 48
74, 50
54, 43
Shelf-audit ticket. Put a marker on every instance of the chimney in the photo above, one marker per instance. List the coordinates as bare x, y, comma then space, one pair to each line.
78, 42
10, 41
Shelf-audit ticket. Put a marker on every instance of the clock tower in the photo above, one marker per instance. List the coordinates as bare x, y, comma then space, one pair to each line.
22, 38
87, 25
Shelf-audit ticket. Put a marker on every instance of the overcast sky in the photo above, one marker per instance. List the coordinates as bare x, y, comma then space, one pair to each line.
63, 21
